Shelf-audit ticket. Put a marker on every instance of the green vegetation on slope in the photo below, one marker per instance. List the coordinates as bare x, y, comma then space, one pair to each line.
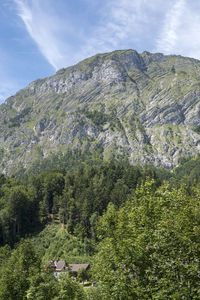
138, 227
74, 199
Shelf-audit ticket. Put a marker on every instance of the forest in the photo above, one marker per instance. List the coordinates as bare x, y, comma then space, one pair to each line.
137, 226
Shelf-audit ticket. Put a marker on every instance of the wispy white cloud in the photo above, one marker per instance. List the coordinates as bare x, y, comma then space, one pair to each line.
69, 31
43, 27
181, 30
169, 33
119, 24
123, 24
171, 26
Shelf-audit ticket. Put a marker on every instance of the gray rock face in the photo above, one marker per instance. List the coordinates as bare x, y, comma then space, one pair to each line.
145, 106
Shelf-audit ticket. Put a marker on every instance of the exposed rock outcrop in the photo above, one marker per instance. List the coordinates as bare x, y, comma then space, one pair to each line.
145, 106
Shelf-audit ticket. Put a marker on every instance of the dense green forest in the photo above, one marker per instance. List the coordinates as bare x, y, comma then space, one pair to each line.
138, 227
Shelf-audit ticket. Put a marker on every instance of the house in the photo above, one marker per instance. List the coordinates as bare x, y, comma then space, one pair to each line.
58, 265
61, 267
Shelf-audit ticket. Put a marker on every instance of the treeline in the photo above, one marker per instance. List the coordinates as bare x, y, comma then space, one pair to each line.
75, 199
142, 223
68, 160
148, 248
188, 171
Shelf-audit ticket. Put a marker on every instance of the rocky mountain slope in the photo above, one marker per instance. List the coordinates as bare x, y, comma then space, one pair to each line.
143, 106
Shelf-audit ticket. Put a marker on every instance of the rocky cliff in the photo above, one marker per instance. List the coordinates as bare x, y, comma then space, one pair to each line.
143, 106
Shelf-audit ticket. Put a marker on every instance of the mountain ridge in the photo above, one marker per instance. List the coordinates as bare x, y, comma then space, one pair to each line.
143, 106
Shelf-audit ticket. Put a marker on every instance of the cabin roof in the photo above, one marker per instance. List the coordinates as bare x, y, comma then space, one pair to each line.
77, 267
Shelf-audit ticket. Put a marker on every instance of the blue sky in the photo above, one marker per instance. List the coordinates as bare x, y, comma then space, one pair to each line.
38, 37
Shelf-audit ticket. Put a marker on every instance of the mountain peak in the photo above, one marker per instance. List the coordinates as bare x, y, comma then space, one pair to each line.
142, 106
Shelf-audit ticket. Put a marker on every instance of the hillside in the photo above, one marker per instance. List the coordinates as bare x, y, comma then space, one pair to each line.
138, 227
145, 107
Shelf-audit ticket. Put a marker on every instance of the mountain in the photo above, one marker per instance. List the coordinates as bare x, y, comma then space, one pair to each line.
145, 107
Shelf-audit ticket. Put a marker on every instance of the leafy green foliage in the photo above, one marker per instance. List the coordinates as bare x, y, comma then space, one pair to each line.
68, 161
149, 247
23, 278
75, 199
54, 242
83, 275
148, 236
16, 271
70, 289
43, 286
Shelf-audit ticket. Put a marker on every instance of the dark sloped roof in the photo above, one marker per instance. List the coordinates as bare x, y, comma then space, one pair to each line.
60, 265
77, 267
